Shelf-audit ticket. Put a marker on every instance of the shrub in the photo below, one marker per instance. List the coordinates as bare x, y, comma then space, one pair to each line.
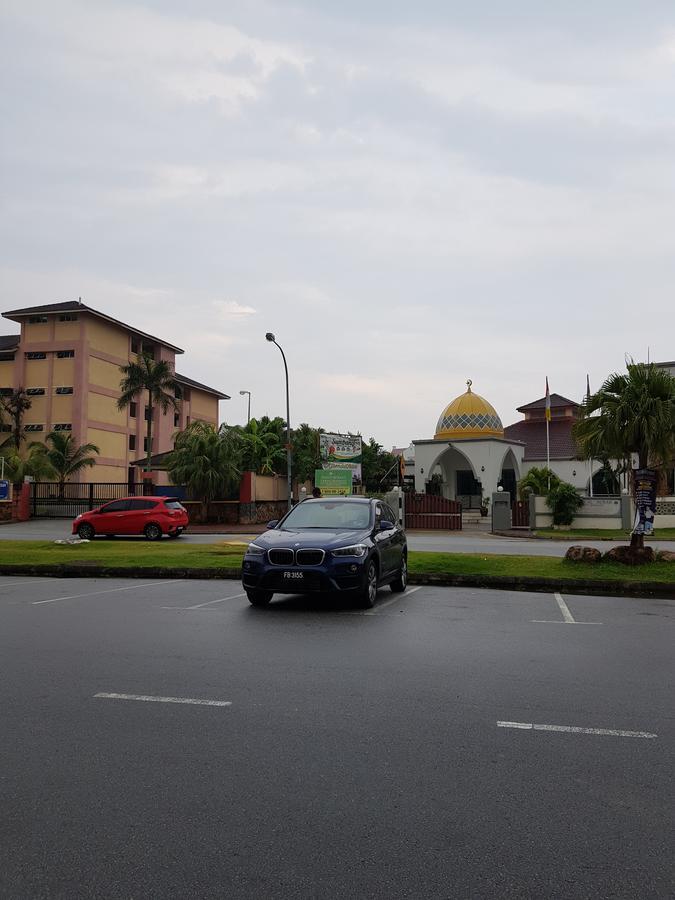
563, 501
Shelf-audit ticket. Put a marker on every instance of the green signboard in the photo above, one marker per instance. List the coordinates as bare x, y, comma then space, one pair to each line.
334, 481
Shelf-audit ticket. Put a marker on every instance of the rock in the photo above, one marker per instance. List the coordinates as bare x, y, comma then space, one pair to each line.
583, 554
630, 556
666, 556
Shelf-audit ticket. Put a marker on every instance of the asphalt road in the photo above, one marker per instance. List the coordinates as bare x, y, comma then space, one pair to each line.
449, 542
361, 755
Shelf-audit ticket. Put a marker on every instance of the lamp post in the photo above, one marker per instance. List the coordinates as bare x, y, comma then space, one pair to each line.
248, 419
270, 337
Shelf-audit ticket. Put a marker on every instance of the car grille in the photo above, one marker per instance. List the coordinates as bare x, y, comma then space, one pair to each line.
309, 557
281, 557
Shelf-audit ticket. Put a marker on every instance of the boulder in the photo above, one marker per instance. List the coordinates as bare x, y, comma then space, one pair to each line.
630, 556
583, 554
667, 556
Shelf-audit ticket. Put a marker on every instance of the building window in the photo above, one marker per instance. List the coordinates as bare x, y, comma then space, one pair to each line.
132, 409
176, 420
6, 356
132, 441
37, 320
35, 428
5, 427
68, 317
35, 392
149, 350
5, 392
64, 390
134, 345
35, 355
145, 445
147, 413
187, 420
65, 354
178, 393
63, 426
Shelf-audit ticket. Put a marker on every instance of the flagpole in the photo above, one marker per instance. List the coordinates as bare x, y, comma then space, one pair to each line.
590, 458
548, 456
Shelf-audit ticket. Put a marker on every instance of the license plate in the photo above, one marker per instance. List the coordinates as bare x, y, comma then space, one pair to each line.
294, 576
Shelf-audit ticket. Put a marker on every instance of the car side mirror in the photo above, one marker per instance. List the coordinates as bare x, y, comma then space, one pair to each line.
273, 523
386, 525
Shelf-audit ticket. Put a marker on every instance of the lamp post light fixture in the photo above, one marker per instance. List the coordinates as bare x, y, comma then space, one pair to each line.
248, 419
270, 337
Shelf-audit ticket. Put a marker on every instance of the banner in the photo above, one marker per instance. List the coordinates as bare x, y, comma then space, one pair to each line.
341, 451
645, 501
333, 482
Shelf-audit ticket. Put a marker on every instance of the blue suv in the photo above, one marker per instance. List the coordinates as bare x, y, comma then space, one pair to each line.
347, 544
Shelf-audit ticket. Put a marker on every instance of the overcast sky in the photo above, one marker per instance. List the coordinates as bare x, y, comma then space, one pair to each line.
407, 194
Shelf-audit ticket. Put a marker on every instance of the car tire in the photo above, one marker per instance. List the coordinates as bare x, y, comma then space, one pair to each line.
173, 535
152, 532
85, 531
368, 593
259, 598
400, 583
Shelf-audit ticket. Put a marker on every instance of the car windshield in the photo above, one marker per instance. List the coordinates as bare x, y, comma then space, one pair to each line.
327, 514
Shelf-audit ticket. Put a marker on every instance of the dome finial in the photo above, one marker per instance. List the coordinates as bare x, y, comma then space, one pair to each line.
468, 386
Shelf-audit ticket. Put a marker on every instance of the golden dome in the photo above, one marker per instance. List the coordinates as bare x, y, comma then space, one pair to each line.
469, 416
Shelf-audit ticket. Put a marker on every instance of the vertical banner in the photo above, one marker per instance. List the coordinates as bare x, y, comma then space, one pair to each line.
645, 501
341, 451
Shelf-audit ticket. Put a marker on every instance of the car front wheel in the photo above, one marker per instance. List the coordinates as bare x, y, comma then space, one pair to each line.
152, 532
85, 531
400, 583
369, 589
259, 598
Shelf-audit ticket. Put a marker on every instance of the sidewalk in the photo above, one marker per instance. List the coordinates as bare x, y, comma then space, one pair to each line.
225, 528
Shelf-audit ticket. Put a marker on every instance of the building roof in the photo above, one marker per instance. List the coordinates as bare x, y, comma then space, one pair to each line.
533, 434
190, 382
75, 306
468, 416
9, 341
157, 461
557, 400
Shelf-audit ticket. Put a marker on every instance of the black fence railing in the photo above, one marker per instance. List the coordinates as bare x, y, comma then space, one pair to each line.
54, 500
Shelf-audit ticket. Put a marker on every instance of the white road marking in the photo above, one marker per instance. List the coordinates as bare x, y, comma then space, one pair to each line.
134, 587
574, 729
209, 603
22, 583
146, 698
396, 599
567, 617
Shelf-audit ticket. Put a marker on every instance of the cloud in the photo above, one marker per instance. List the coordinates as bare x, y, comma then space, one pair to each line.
230, 309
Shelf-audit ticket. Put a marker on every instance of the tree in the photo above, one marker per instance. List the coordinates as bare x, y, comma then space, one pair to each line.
563, 501
306, 458
207, 461
14, 406
64, 456
631, 413
33, 463
158, 379
379, 468
537, 481
262, 449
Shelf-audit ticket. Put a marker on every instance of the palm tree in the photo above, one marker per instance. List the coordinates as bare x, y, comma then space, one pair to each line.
262, 449
631, 413
158, 379
15, 405
306, 457
206, 460
64, 456
537, 481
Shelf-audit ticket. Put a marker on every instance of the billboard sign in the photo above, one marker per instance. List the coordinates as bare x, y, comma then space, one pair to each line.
645, 501
341, 451
334, 482
4, 490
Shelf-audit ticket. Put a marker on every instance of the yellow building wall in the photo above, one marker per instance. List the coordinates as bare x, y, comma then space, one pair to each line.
203, 404
107, 337
105, 473
110, 444
62, 409
104, 409
66, 331
36, 373
104, 374
64, 372
38, 411
36, 333
7, 373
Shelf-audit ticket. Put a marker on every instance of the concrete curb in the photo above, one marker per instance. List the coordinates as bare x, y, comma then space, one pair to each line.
647, 589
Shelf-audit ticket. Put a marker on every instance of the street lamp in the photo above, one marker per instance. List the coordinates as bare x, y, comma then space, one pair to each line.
270, 337
249, 404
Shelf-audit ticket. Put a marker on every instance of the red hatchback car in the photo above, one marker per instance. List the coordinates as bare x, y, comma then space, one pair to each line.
151, 516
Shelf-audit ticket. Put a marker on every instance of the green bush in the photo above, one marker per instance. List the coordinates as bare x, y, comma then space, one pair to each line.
563, 501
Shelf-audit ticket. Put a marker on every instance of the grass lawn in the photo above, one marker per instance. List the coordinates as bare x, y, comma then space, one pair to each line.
602, 534
141, 555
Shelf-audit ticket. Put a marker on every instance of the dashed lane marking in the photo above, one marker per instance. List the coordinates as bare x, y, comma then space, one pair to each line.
147, 698
575, 729
396, 599
567, 617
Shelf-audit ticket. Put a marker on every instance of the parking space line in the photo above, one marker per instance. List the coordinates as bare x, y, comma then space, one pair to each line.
23, 583
147, 698
406, 593
575, 729
567, 617
134, 587
209, 603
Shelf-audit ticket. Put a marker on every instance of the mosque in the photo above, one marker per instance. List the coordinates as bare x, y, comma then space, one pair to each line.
471, 454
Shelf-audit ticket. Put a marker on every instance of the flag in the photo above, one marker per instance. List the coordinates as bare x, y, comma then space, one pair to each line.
548, 402
588, 389
401, 468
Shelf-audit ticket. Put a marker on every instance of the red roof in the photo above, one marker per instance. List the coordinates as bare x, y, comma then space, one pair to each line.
557, 400
532, 432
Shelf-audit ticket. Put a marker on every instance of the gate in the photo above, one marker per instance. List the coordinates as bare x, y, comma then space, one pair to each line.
65, 501
429, 511
520, 514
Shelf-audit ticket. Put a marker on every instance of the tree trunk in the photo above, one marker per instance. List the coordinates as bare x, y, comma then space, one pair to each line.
148, 461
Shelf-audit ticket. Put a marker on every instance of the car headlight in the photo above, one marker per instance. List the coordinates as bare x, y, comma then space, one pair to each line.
78, 517
255, 550
352, 550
